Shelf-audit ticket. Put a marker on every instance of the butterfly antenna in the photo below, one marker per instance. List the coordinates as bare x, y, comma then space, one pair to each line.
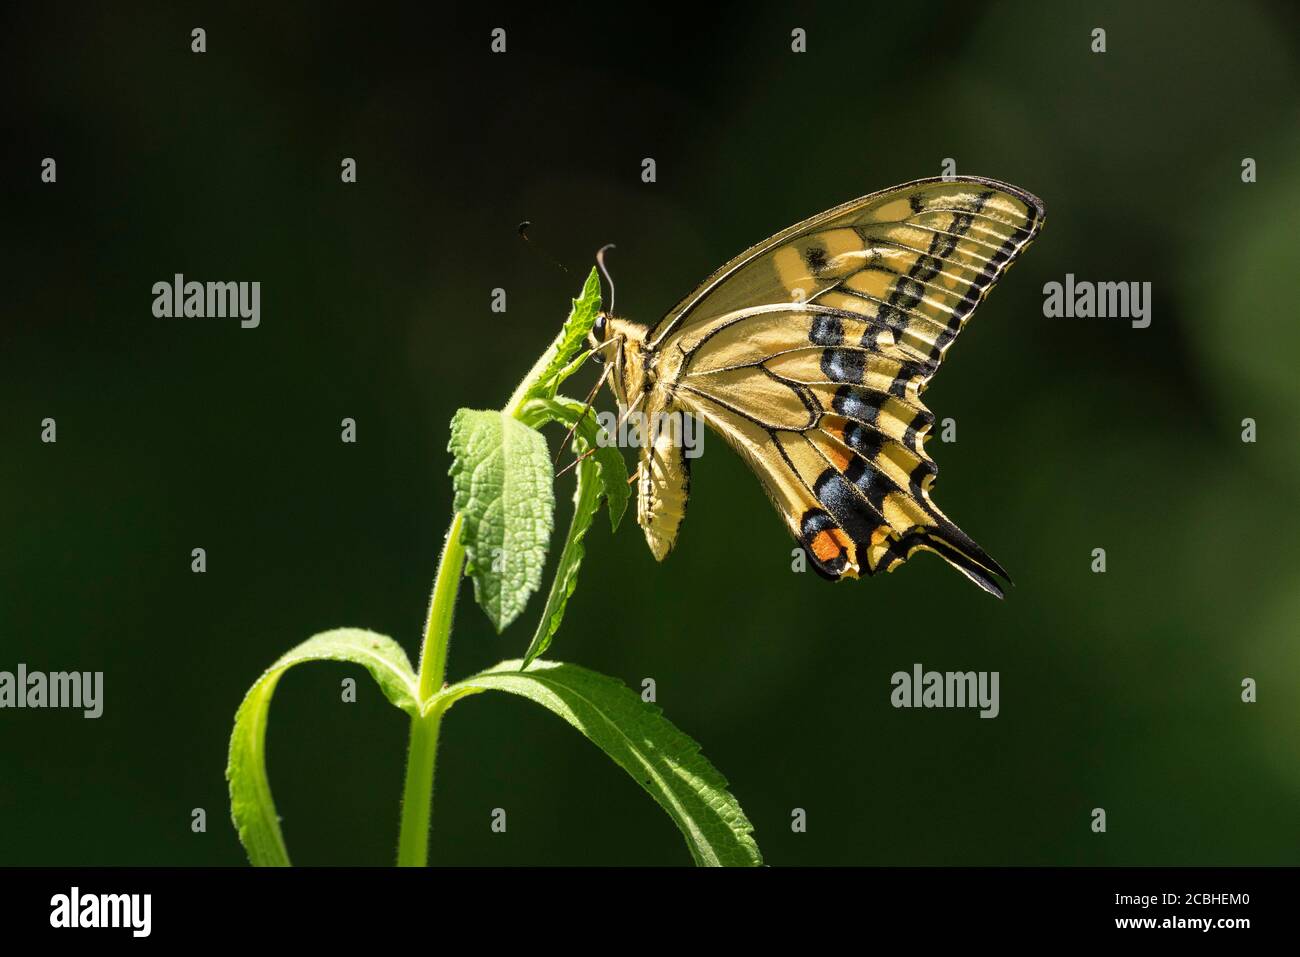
523, 234
600, 261
591, 397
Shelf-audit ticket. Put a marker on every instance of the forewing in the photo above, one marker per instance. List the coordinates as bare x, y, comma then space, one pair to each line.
914, 260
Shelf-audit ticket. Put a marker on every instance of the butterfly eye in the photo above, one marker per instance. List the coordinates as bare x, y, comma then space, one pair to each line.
597, 337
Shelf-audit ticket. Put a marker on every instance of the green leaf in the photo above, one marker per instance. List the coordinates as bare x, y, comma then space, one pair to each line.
557, 363
603, 473
502, 481
661, 758
251, 806
586, 499
609, 460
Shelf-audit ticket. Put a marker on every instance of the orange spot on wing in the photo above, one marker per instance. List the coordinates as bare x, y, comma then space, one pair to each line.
839, 454
829, 544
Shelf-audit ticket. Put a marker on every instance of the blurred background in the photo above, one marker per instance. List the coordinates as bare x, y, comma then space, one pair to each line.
1118, 690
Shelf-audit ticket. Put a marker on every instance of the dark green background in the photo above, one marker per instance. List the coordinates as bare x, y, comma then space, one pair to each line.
1118, 690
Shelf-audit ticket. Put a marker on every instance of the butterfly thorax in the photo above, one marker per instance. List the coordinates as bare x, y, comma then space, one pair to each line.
634, 371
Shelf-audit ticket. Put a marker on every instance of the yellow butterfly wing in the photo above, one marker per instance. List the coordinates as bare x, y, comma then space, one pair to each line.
809, 353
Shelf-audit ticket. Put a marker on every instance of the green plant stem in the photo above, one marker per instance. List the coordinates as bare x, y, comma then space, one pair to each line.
417, 795
422, 755
437, 627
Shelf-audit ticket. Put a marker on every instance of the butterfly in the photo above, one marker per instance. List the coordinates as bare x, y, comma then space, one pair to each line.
808, 354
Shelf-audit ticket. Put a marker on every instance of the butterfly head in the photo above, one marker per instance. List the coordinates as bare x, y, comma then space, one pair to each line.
609, 338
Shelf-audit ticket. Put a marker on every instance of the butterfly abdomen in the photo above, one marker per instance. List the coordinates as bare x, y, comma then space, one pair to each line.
664, 485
